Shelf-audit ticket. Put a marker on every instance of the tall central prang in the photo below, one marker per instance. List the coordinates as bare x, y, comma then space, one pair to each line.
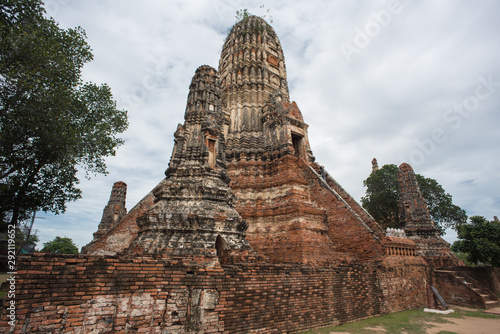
252, 70
269, 159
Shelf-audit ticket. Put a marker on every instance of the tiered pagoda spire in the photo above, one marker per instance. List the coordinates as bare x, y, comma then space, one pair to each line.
114, 210
193, 212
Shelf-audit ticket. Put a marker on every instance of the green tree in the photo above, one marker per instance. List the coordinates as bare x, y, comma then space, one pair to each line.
51, 123
440, 204
479, 240
244, 14
60, 246
382, 196
382, 199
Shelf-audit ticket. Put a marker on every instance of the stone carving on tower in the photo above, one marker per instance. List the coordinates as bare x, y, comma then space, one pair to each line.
193, 211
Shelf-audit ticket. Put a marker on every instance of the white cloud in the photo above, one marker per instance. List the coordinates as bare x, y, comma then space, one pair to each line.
386, 101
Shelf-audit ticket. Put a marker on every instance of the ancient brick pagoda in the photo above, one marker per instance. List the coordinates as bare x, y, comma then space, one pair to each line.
193, 211
417, 222
293, 208
113, 212
413, 212
247, 233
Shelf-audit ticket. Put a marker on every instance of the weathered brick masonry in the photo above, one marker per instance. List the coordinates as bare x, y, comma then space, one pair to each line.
96, 294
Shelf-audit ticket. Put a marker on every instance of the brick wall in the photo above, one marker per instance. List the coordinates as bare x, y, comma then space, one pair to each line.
92, 294
271, 298
85, 294
284, 225
403, 280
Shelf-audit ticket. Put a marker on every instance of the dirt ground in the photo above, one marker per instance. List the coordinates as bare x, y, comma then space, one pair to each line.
468, 325
465, 325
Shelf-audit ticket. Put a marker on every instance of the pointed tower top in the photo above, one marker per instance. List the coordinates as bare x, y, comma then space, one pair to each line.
252, 60
413, 213
113, 211
374, 165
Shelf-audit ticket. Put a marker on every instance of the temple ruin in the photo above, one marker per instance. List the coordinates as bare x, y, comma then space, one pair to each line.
246, 233
417, 223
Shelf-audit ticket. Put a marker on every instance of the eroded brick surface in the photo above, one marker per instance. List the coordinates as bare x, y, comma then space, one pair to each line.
118, 239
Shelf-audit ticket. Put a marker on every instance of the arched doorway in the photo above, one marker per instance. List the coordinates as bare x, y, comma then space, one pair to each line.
220, 246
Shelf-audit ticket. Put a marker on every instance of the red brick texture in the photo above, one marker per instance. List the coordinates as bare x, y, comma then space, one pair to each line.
295, 216
284, 225
83, 294
350, 228
469, 286
403, 280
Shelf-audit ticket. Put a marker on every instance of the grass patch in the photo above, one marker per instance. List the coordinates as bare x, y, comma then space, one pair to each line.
411, 322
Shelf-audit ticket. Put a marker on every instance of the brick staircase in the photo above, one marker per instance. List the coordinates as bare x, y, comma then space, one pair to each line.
486, 298
489, 298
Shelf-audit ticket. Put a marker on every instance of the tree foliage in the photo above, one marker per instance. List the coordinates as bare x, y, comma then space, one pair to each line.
382, 196
60, 246
51, 123
440, 204
382, 199
244, 14
479, 240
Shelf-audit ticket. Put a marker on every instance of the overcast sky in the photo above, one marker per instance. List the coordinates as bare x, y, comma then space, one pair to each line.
407, 81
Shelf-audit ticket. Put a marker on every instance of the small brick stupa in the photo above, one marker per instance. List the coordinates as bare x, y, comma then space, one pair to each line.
417, 222
193, 211
113, 212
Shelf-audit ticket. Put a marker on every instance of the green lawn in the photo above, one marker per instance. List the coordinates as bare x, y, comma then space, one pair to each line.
411, 322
